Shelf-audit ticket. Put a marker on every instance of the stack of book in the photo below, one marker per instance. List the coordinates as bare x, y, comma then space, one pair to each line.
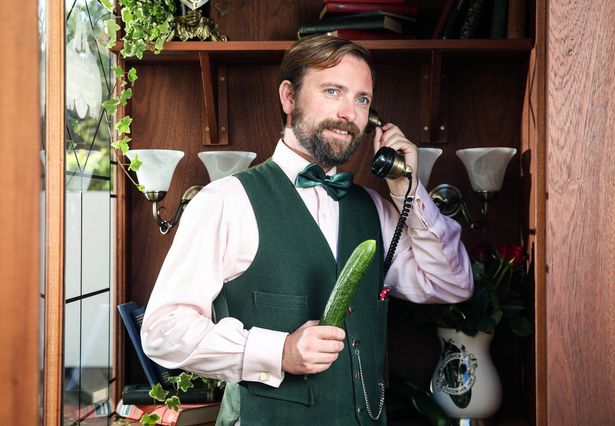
199, 405
185, 415
364, 19
481, 19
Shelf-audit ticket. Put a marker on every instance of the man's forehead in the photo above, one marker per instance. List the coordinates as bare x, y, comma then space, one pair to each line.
351, 73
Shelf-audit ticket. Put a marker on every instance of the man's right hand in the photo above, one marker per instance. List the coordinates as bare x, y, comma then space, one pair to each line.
312, 348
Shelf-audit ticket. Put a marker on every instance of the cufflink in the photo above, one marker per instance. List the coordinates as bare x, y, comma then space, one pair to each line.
265, 376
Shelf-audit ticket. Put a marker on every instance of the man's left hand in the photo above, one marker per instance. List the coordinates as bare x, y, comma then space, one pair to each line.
390, 135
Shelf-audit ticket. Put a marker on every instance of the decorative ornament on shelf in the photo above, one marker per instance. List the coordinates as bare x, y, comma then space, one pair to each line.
194, 4
194, 26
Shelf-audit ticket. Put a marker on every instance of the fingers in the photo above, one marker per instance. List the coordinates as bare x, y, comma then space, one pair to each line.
312, 348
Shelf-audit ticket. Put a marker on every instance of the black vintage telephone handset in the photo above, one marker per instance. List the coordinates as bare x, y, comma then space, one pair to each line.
390, 164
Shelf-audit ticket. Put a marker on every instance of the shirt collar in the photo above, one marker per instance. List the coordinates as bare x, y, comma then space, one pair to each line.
290, 162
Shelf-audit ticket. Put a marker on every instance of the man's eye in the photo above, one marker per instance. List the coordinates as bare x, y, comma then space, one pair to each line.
363, 100
331, 91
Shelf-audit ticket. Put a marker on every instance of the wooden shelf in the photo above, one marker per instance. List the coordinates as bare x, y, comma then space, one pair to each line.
246, 51
213, 57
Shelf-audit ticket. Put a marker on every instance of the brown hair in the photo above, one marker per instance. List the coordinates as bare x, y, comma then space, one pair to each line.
317, 51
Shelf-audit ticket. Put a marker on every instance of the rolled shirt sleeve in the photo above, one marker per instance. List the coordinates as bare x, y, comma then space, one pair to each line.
430, 264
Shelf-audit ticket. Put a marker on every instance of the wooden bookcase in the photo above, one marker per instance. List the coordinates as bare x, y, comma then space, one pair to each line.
453, 94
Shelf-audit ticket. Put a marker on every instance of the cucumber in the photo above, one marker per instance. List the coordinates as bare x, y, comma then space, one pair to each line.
347, 283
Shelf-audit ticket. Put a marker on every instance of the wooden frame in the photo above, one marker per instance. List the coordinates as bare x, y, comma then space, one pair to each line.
19, 245
54, 277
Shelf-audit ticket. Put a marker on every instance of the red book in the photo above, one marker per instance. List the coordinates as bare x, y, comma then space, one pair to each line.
349, 34
367, 1
333, 8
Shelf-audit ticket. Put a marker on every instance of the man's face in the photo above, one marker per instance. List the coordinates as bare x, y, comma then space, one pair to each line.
331, 111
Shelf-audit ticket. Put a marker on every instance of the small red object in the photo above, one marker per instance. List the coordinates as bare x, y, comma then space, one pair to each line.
384, 294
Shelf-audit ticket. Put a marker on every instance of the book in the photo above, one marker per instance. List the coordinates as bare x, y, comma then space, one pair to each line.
139, 394
516, 19
132, 316
471, 23
366, 1
186, 415
447, 8
378, 22
455, 20
369, 35
376, 12
336, 8
499, 17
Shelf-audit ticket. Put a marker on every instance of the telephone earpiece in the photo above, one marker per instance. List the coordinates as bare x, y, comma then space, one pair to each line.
373, 121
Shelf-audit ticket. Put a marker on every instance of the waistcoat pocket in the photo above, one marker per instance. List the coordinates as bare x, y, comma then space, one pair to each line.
280, 312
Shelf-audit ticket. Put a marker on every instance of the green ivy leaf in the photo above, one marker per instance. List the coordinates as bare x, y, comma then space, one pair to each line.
140, 48
122, 144
173, 403
127, 16
158, 393
107, 4
123, 126
132, 75
141, 188
119, 72
128, 50
124, 96
110, 105
185, 381
135, 164
111, 28
149, 419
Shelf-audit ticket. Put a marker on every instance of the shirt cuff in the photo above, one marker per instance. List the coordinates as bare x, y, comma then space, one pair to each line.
262, 361
424, 211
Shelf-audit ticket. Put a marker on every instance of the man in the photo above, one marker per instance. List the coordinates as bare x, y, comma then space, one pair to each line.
266, 255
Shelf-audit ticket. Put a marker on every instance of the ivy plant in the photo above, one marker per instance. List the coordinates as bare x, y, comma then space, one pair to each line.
147, 25
171, 399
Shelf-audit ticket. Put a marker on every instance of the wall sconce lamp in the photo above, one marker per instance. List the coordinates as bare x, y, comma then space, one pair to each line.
486, 168
156, 173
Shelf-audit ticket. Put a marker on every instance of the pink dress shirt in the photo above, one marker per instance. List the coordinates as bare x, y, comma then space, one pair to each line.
217, 241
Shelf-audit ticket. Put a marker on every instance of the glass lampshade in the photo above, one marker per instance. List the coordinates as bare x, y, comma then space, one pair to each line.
224, 163
427, 158
486, 166
156, 172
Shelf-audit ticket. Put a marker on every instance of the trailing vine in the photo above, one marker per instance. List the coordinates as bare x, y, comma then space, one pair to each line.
147, 26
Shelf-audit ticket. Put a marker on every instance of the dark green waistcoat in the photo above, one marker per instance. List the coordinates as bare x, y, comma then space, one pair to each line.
289, 283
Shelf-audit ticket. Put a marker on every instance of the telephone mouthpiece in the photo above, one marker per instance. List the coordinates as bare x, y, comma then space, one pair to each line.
389, 164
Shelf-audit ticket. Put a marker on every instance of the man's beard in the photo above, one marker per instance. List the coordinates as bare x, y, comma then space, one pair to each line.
327, 152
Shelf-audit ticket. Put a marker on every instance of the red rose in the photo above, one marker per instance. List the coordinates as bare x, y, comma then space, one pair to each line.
516, 256
512, 254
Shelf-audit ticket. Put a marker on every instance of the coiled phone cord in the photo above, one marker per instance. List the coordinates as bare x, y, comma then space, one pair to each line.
400, 226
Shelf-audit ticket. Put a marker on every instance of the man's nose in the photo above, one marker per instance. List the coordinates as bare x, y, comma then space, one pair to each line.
347, 111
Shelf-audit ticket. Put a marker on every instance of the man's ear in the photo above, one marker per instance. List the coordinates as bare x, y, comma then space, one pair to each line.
287, 97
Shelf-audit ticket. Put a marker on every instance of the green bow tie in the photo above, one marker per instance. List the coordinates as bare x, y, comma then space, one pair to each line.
336, 185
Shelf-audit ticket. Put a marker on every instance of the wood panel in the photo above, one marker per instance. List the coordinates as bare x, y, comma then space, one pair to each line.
54, 217
19, 246
580, 282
